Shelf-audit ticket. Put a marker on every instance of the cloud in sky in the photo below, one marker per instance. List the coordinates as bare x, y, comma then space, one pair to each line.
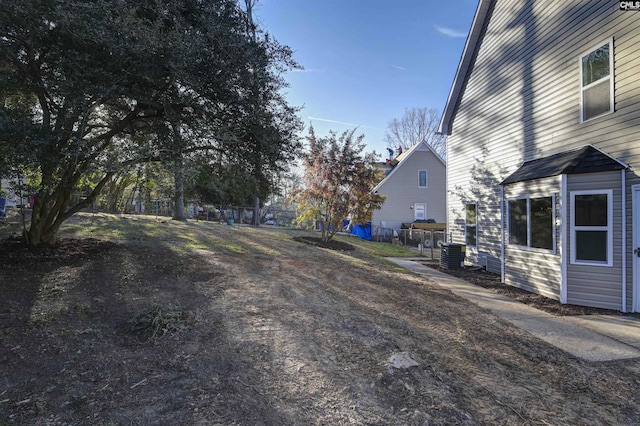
399, 67
451, 33
308, 70
327, 120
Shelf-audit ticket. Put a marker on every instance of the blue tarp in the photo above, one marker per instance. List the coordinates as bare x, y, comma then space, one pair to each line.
362, 231
3, 203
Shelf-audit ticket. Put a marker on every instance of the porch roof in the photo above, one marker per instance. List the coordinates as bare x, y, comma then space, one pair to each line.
587, 159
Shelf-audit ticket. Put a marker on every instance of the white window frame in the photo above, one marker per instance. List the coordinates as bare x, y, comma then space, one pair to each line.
426, 179
608, 227
466, 226
608, 41
553, 222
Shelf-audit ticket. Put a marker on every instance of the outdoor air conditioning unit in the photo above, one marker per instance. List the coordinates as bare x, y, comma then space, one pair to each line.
451, 256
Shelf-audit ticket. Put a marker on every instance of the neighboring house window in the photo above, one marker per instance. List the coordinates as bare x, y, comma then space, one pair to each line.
592, 227
531, 222
420, 211
422, 179
596, 81
471, 228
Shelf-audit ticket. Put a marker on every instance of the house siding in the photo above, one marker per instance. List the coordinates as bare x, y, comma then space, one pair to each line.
531, 269
402, 191
521, 101
597, 286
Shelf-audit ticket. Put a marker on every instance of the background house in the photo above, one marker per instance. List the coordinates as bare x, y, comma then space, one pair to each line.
543, 122
414, 189
10, 192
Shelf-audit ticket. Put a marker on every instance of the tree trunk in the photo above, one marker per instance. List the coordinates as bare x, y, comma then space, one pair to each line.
179, 193
148, 206
37, 234
45, 218
51, 209
256, 211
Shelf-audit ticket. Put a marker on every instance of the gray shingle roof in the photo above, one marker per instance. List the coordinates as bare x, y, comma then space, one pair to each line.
584, 160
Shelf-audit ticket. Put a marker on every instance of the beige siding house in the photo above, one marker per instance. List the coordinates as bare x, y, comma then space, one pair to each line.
543, 149
414, 189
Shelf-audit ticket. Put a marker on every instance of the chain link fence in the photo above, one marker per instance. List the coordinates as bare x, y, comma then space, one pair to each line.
426, 241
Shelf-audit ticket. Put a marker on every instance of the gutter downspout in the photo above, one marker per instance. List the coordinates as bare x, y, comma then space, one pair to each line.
635, 195
624, 241
502, 261
564, 224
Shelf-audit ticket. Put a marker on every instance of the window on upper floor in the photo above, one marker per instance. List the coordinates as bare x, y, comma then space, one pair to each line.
596, 81
422, 179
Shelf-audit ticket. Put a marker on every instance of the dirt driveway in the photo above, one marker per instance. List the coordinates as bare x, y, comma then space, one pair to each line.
264, 330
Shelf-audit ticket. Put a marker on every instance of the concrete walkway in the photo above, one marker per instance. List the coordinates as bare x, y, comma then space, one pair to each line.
591, 337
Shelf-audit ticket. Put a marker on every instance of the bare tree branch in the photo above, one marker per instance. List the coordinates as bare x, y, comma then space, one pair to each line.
416, 125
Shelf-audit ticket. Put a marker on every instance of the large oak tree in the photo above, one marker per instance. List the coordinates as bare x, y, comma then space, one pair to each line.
110, 83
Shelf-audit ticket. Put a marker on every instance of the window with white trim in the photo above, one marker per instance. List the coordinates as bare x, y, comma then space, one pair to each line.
592, 227
596, 81
471, 225
531, 222
422, 178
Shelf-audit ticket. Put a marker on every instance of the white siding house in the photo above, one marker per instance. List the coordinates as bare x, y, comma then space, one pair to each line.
543, 125
414, 189
13, 196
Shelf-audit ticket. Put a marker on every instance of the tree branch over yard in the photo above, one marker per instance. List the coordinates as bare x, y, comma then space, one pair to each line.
337, 183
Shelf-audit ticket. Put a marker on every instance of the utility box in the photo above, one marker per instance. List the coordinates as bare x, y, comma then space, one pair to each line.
451, 255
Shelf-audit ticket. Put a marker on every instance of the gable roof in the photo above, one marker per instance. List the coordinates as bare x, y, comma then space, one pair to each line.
587, 159
402, 158
473, 38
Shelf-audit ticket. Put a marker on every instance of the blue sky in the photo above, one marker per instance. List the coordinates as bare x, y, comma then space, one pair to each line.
366, 61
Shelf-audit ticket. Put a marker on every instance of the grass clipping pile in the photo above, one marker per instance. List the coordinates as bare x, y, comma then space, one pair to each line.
199, 323
156, 321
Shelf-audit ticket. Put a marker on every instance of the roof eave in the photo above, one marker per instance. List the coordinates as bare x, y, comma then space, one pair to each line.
567, 168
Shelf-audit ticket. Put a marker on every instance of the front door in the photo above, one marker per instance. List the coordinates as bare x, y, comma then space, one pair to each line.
636, 247
420, 211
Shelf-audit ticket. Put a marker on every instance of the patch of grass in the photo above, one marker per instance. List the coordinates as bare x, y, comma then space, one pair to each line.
82, 310
355, 261
120, 227
97, 225
374, 248
194, 245
156, 321
233, 248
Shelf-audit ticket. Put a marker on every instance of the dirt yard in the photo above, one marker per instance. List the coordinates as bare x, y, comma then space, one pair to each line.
143, 321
